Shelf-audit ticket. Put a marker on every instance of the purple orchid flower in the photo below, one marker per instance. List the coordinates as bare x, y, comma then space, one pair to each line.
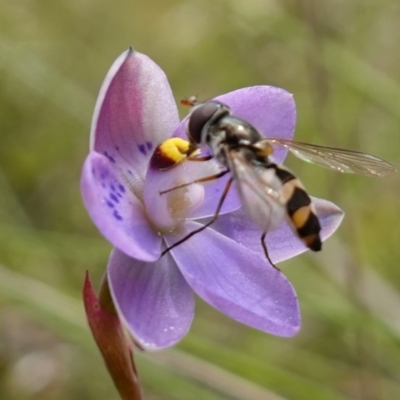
225, 264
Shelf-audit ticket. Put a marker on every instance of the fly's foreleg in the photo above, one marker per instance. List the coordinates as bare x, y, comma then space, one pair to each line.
213, 219
205, 158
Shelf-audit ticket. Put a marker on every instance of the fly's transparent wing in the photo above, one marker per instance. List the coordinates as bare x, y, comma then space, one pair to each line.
341, 160
258, 189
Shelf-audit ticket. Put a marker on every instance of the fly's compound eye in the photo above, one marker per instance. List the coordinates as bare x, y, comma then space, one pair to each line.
199, 118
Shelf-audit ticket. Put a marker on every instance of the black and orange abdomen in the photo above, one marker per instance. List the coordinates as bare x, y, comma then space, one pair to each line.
299, 208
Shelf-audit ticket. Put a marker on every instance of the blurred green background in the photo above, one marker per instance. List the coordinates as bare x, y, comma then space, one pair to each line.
340, 59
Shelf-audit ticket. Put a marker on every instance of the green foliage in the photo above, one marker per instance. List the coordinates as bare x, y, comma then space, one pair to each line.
341, 62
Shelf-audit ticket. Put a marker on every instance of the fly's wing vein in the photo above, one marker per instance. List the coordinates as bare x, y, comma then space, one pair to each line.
341, 160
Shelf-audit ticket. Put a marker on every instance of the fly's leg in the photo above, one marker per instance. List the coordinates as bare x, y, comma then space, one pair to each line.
205, 158
214, 218
201, 180
264, 246
208, 178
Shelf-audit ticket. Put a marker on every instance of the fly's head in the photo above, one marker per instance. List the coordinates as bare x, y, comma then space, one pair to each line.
202, 118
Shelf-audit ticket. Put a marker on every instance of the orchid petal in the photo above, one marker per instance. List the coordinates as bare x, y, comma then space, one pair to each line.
169, 209
282, 243
135, 111
153, 299
236, 281
115, 210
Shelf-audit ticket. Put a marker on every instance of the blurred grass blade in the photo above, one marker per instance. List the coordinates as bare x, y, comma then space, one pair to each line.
28, 68
341, 63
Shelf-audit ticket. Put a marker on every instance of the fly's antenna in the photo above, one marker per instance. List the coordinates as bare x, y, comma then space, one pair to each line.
190, 102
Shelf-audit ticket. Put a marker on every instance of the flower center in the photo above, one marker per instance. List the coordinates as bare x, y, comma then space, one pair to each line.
168, 203
170, 196
184, 200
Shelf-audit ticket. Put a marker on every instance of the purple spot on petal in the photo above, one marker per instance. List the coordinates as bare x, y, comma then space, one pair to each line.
117, 216
149, 145
112, 187
121, 188
111, 158
119, 195
110, 204
142, 149
130, 172
114, 197
117, 148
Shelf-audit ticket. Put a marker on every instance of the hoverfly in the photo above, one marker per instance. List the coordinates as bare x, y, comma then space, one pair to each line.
269, 192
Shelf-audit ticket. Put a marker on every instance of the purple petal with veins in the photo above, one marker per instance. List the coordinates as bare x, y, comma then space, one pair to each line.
115, 210
236, 281
153, 299
135, 112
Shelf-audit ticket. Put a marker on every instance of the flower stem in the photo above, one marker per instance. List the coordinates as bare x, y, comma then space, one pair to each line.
110, 337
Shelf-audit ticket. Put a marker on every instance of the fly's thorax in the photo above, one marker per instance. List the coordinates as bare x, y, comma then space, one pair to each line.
236, 135
238, 131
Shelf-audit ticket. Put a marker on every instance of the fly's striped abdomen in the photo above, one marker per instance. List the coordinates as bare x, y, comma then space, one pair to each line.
300, 210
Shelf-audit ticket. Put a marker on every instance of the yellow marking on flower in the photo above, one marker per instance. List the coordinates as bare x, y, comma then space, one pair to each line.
172, 152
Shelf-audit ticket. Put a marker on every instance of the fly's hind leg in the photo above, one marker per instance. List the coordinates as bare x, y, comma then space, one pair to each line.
213, 219
264, 246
